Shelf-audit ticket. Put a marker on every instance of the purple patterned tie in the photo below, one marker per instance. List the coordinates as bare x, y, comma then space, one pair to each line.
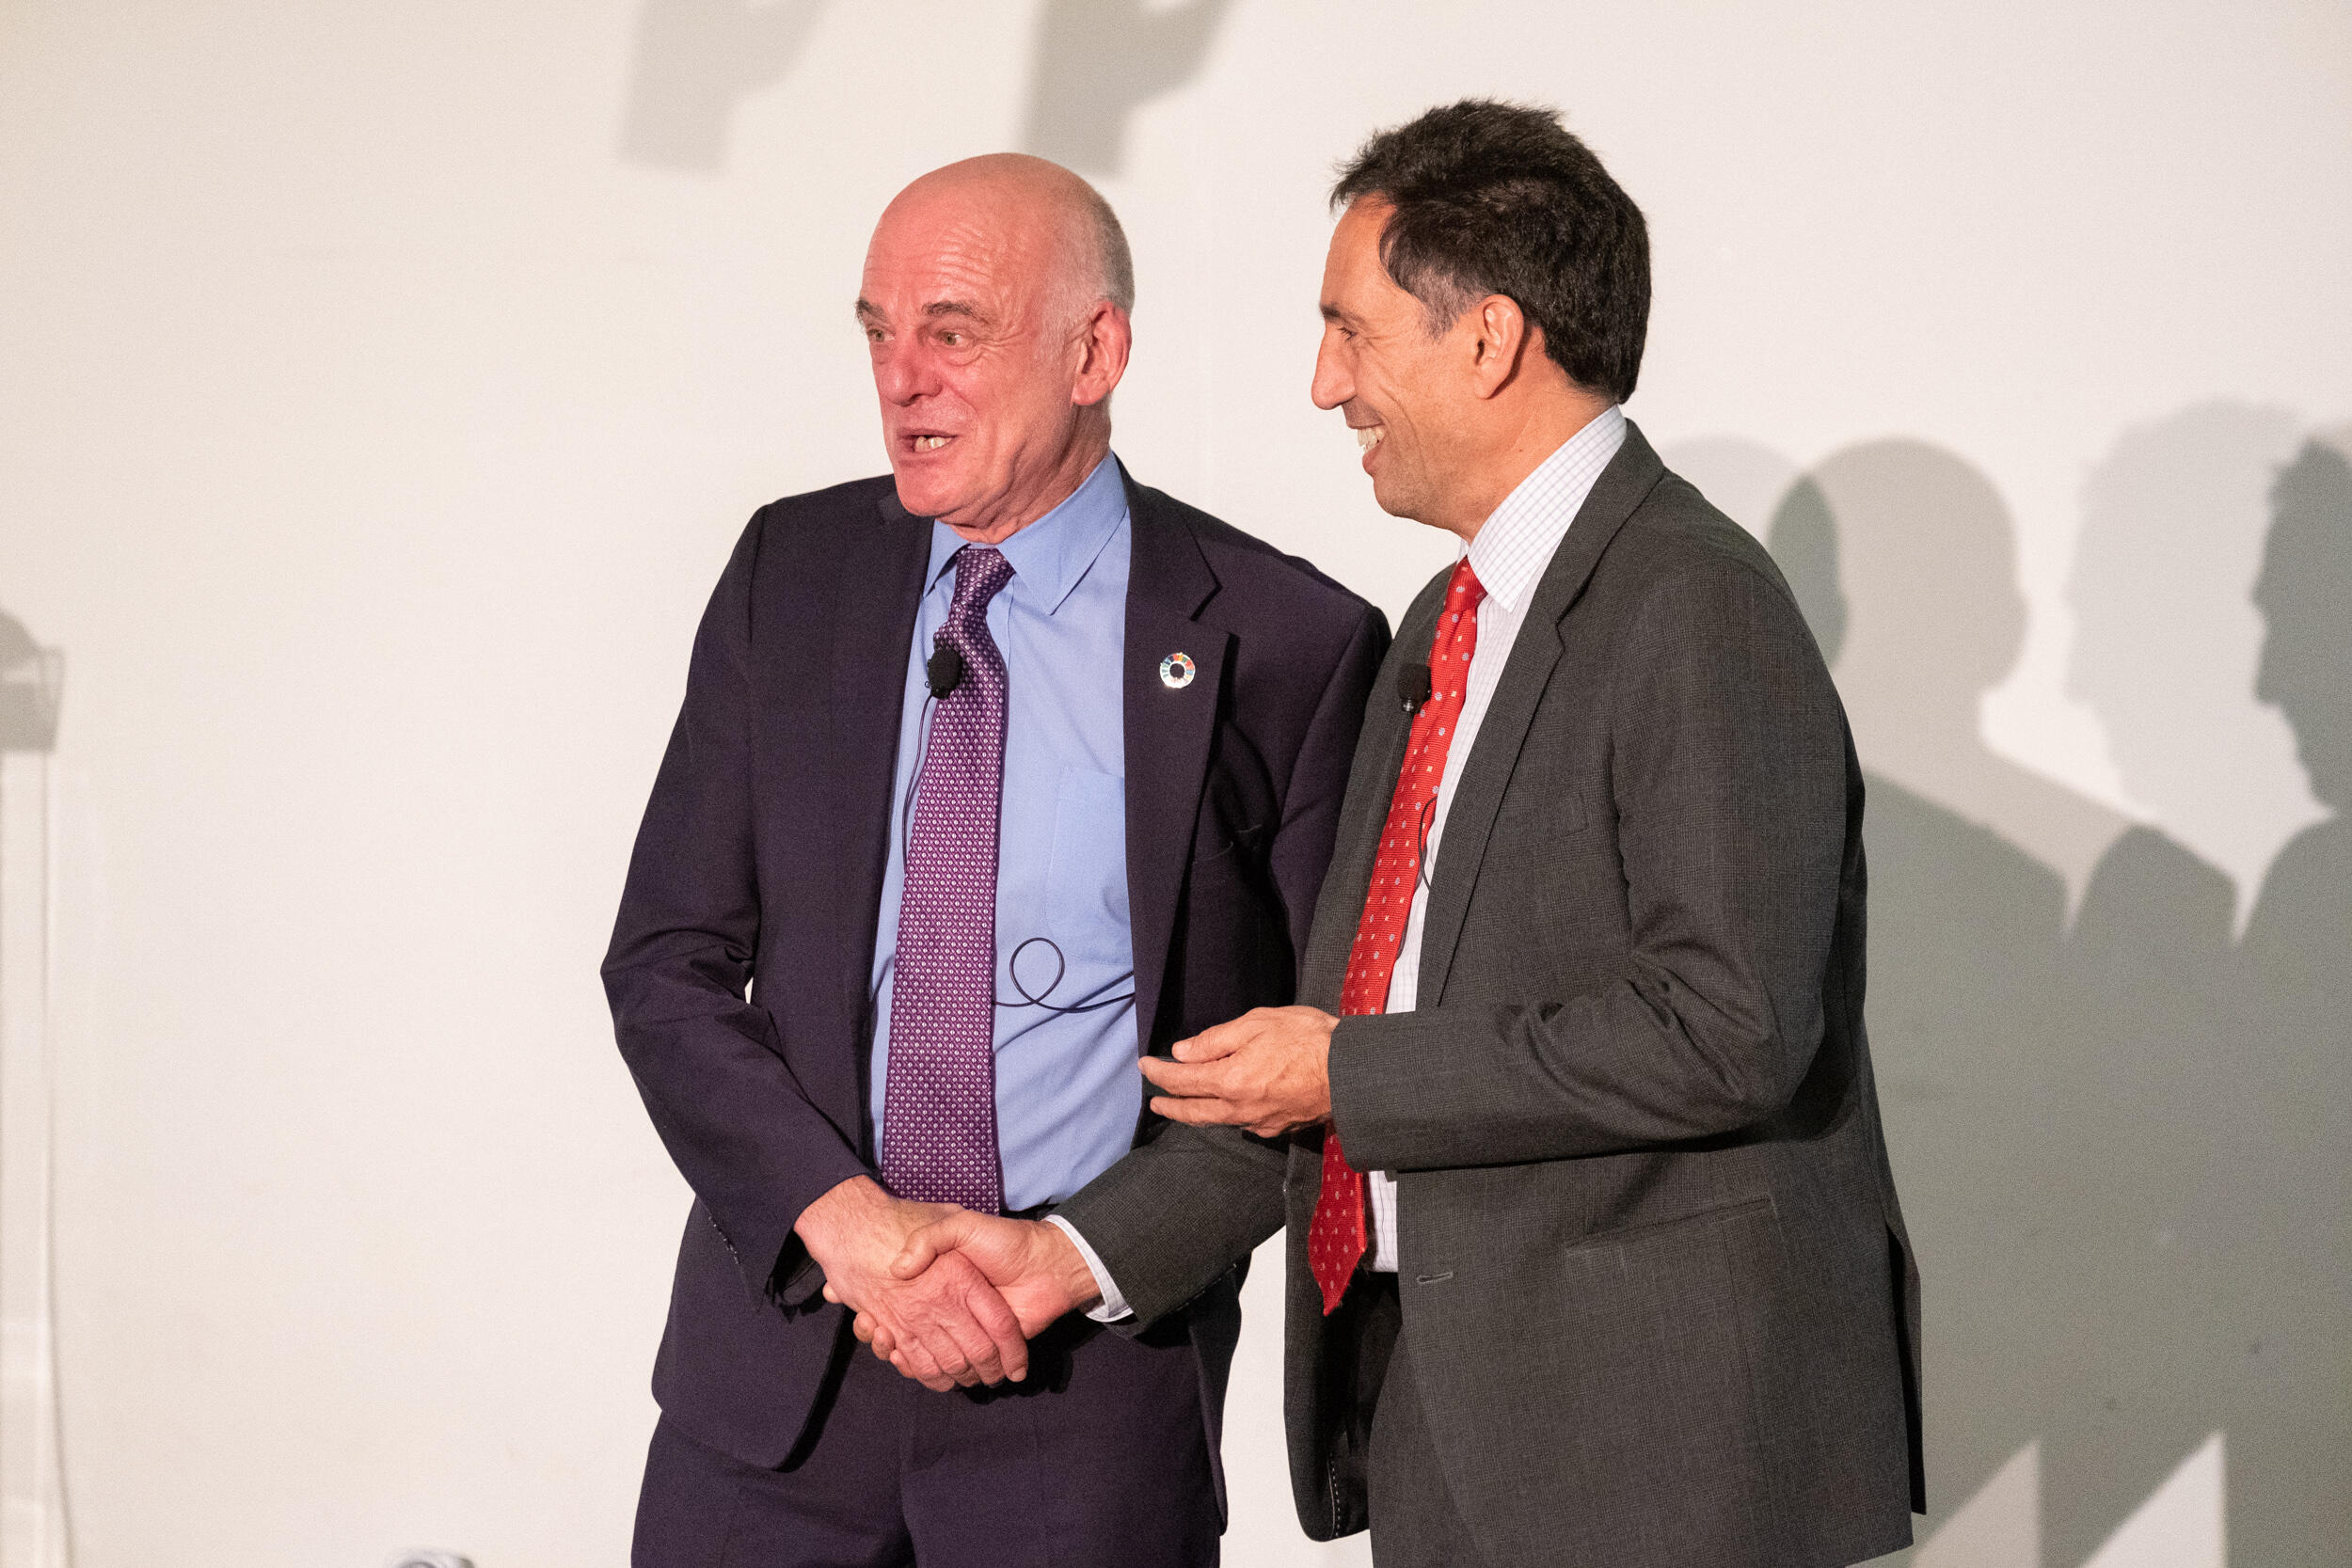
938, 1104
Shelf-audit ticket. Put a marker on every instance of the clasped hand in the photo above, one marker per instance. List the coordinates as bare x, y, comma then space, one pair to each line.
964, 1292
949, 1324
1033, 1267
948, 1297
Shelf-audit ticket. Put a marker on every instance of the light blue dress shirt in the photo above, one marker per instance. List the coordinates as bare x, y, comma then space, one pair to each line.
1068, 1091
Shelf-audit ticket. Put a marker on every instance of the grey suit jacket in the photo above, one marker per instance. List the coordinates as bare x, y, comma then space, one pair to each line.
1662, 1306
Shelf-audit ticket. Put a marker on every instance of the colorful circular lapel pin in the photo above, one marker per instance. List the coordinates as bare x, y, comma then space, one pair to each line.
1176, 672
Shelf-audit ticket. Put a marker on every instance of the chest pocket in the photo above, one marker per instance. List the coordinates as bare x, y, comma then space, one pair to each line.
1086, 883
1542, 807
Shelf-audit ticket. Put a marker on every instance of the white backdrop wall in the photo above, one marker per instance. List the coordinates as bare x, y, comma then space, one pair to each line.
384, 384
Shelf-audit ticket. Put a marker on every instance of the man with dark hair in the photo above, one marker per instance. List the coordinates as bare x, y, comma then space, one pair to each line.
1595, 1253
1492, 198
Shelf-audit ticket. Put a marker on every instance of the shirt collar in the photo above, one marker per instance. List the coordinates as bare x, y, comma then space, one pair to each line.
1051, 556
1517, 541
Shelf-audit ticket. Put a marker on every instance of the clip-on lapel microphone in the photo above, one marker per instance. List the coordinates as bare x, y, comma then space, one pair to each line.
1412, 685
944, 670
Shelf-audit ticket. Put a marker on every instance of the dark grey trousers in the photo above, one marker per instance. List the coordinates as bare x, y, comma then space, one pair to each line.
1100, 1457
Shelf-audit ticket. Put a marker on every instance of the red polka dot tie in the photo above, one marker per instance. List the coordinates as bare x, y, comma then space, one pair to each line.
1336, 1238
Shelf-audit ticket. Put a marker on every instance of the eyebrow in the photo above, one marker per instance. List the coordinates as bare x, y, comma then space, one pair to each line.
865, 310
1334, 314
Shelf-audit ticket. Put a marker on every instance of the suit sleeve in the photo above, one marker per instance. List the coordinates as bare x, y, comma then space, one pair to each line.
707, 1061
1728, 783
1180, 1209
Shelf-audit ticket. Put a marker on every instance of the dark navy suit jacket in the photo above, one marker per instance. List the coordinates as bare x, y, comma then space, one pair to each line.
760, 864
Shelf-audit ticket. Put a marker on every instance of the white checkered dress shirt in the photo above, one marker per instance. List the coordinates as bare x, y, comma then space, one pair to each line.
1509, 554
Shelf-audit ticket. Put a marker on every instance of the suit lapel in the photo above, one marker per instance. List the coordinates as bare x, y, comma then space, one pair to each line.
1364, 811
1169, 731
1622, 486
874, 588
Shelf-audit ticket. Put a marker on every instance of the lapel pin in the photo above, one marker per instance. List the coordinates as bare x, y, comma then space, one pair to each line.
1176, 672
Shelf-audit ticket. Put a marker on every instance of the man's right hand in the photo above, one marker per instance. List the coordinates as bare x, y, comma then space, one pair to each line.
1033, 1265
949, 1324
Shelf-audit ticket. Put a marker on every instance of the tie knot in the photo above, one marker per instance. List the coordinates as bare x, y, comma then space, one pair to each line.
981, 572
1463, 590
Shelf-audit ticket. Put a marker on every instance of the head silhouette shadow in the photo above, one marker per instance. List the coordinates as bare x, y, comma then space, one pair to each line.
2305, 595
1903, 556
2168, 638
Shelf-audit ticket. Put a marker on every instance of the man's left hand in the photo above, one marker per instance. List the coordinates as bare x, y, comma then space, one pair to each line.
1267, 1072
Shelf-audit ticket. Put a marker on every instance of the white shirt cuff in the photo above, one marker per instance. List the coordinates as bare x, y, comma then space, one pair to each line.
1113, 1305
1380, 1256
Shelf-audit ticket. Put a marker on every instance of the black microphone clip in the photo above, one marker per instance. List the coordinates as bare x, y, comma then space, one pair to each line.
945, 669
1412, 685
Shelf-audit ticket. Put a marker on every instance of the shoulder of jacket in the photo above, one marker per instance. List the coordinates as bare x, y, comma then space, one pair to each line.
1676, 533
853, 501
1243, 560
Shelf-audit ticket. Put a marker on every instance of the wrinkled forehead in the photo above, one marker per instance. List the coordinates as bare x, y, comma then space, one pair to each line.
959, 249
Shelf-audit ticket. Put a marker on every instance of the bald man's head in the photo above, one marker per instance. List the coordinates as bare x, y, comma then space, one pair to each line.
1080, 233
994, 303
1073, 226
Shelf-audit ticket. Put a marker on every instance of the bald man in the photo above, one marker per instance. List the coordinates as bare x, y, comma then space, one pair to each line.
992, 773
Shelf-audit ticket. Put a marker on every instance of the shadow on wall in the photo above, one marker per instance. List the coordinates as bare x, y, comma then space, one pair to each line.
2167, 636
31, 678
2120, 1146
1096, 62
695, 62
2197, 1212
1936, 620
1100, 60
2291, 1089
1901, 557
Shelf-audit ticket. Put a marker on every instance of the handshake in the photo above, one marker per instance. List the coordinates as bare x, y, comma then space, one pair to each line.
947, 1297
950, 1297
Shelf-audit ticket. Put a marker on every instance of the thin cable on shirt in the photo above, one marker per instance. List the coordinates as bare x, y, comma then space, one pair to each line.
906, 807
1061, 967
914, 779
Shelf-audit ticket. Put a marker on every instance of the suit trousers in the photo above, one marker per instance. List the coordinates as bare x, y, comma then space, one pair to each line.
1097, 1457
1370, 1367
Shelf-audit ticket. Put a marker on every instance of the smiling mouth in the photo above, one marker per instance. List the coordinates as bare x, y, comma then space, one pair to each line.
1370, 436
928, 442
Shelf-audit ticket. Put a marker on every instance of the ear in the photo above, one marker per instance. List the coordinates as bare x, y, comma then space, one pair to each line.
1499, 344
1102, 341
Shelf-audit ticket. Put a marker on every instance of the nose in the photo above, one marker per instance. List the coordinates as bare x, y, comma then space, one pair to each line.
903, 371
1334, 382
